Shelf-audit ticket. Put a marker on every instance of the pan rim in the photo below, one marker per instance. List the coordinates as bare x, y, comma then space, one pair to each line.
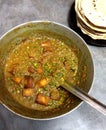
92, 82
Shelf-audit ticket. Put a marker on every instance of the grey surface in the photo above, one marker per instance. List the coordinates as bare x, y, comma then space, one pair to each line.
14, 12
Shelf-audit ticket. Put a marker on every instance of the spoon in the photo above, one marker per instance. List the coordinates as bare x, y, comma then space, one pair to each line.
85, 97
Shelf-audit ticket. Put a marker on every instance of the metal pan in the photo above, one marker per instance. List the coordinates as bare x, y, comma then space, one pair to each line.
84, 55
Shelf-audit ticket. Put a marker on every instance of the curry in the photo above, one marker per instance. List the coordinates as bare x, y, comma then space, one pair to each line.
37, 67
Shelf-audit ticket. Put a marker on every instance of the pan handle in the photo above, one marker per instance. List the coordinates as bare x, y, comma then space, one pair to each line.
0, 102
85, 97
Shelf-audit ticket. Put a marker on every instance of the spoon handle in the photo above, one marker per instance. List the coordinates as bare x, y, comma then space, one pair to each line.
85, 97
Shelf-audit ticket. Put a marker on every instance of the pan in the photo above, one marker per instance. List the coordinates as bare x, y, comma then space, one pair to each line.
12, 39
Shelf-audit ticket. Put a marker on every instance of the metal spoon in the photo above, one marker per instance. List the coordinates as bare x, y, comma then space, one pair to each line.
85, 97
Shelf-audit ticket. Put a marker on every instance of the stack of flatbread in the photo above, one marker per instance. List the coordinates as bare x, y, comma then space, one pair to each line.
91, 17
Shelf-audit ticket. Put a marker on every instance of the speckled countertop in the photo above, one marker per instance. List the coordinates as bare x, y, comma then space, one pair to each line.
14, 12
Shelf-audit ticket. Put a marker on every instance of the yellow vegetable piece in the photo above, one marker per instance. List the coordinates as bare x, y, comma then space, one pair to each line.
43, 82
17, 80
42, 99
28, 92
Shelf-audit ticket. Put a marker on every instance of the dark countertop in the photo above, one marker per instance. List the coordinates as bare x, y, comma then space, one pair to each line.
14, 12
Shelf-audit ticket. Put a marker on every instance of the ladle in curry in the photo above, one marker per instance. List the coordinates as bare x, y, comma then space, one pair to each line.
85, 97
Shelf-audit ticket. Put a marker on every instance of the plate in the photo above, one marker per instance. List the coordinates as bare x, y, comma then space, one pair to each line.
73, 25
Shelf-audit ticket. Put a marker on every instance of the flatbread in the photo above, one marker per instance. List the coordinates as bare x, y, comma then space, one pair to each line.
95, 11
91, 17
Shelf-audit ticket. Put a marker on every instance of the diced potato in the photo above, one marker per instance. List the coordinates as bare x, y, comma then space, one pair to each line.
28, 81
55, 94
42, 99
42, 82
28, 92
17, 80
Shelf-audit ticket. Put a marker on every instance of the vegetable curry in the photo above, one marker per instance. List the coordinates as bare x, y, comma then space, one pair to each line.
37, 67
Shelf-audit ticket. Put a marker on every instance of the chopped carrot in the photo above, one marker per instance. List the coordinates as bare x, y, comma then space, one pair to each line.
39, 70
42, 99
17, 80
28, 92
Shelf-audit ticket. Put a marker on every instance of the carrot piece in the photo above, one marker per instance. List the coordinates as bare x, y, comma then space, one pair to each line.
39, 70
28, 92
42, 99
